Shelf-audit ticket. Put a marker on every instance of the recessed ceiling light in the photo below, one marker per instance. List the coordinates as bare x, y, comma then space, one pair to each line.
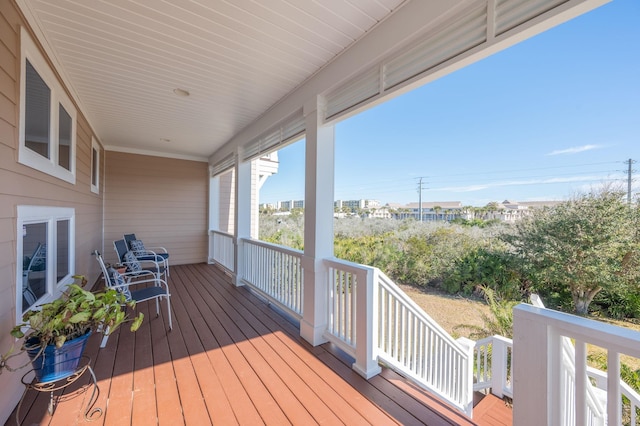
181, 92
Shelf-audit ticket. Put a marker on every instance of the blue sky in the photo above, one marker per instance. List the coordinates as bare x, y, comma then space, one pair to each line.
553, 116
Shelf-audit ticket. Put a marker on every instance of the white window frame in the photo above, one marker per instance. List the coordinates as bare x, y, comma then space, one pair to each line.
49, 215
95, 147
29, 51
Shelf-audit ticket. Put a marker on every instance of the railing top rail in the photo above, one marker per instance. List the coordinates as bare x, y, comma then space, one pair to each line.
492, 339
276, 247
619, 339
348, 266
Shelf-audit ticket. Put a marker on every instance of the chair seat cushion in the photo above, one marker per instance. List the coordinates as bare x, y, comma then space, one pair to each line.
147, 293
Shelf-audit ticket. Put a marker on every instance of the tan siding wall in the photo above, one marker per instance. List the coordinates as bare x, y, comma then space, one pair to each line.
20, 185
163, 201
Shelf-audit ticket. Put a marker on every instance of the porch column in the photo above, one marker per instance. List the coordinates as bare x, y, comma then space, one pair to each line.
318, 221
214, 212
531, 347
242, 222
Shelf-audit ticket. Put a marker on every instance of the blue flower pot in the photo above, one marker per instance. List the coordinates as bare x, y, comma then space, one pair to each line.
56, 363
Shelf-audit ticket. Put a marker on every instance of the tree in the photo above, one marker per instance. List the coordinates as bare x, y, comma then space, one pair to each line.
582, 246
491, 208
437, 210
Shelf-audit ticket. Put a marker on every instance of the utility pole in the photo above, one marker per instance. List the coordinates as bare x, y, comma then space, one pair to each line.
420, 188
629, 179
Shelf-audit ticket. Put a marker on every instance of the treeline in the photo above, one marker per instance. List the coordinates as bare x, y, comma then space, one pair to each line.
582, 255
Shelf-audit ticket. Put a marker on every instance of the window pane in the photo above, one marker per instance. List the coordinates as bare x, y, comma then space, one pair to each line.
94, 167
62, 261
34, 263
37, 112
64, 139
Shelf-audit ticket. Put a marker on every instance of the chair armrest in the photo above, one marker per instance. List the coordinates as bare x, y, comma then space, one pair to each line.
142, 262
157, 257
164, 250
129, 275
156, 281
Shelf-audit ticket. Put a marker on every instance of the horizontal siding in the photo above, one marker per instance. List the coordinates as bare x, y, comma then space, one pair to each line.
163, 201
10, 383
20, 185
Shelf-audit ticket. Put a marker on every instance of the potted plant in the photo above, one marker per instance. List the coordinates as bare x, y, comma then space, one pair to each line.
55, 333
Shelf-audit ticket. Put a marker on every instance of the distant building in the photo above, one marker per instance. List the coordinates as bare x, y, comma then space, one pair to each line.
356, 205
431, 211
443, 211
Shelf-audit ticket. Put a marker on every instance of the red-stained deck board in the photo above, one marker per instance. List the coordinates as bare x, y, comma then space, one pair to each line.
492, 411
232, 359
118, 410
218, 406
284, 384
168, 404
144, 398
335, 397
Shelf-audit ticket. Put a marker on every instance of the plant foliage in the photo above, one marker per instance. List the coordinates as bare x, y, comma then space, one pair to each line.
584, 245
74, 314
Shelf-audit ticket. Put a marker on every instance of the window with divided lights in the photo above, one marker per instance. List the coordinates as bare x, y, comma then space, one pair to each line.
47, 117
46, 248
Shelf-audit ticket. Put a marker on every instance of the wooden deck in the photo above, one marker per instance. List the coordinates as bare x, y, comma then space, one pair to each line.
231, 359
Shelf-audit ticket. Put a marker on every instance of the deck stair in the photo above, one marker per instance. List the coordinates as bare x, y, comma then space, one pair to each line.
492, 411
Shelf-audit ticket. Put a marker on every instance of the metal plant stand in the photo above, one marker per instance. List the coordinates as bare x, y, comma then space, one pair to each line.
90, 413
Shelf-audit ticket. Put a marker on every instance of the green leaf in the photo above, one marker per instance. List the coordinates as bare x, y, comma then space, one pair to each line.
135, 325
80, 317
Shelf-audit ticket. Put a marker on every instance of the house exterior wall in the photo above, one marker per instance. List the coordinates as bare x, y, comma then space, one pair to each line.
22, 185
163, 201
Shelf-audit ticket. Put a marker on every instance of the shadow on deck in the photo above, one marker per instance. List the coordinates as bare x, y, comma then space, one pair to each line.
231, 359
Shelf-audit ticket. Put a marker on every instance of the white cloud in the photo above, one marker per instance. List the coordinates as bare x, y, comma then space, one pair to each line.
575, 149
499, 184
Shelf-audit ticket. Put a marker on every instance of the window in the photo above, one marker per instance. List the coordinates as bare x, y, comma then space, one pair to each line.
95, 166
47, 117
47, 252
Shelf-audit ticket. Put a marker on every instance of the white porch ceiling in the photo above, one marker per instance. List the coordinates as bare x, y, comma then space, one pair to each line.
123, 59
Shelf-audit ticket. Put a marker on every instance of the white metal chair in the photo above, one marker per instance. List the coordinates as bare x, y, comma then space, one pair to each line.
126, 282
133, 263
147, 253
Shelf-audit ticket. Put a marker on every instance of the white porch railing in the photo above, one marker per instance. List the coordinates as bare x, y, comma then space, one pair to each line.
402, 335
222, 249
600, 380
493, 366
544, 390
276, 272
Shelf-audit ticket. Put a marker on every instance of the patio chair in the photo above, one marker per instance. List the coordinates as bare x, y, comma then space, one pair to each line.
147, 253
134, 264
125, 283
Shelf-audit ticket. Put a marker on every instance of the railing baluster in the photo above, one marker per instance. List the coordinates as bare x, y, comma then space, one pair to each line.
276, 272
407, 338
